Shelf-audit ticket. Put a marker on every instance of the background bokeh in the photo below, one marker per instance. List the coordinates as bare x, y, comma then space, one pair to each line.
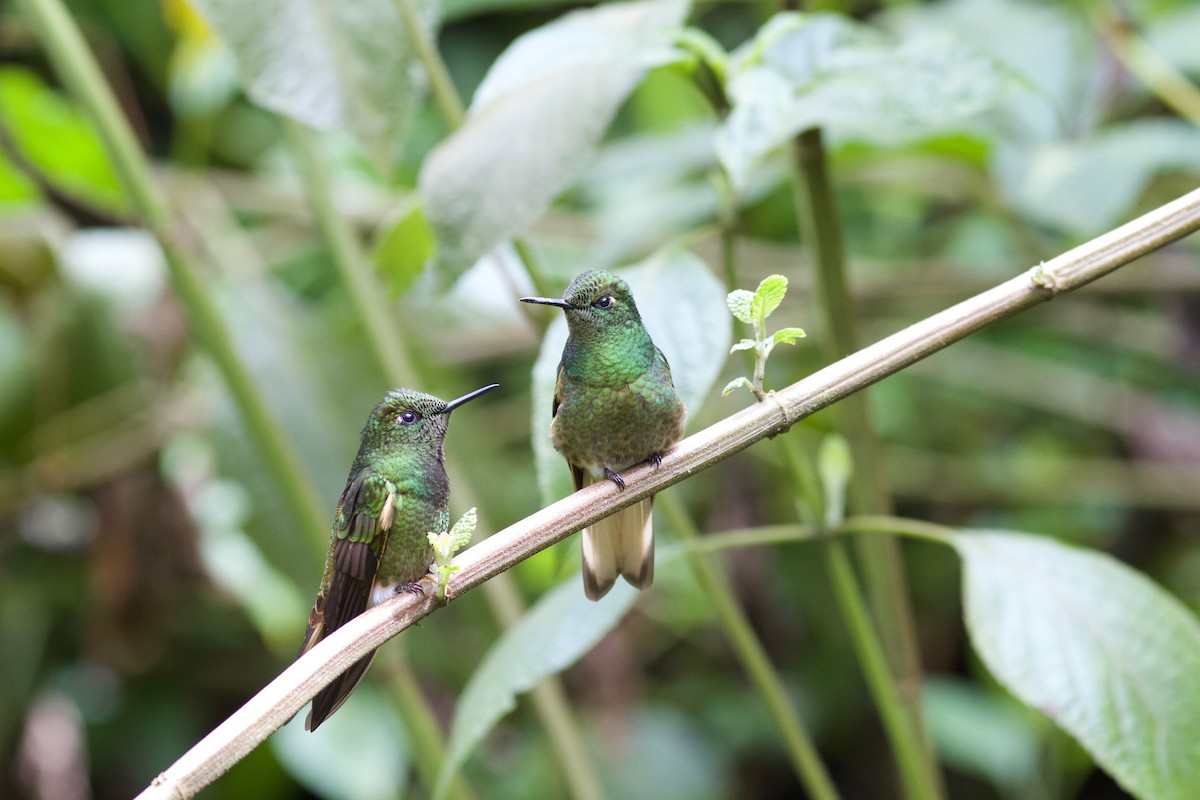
152, 577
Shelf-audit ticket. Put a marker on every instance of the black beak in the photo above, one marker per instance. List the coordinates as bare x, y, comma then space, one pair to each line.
549, 301
466, 398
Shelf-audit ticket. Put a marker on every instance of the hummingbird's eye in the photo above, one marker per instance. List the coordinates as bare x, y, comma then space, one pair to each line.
604, 302
408, 416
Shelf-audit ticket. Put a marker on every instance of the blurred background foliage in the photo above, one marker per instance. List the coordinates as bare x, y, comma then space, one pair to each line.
152, 578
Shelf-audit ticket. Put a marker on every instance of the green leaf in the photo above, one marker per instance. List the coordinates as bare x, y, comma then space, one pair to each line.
404, 248
683, 307
464, 529
347, 66
552, 636
1097, 647
1088, 185
331, 764
58, 139
768, 296
787, 335
744, 344
536, 121
735, 384
825, 71
740, 304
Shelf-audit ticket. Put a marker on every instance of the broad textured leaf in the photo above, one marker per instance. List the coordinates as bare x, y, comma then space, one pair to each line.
1097, 647
464, 529
360, 753
683, 306
333, 65
768, 296
536, 121
824, 71
552, 636
741, 305
403, 249
1087, 186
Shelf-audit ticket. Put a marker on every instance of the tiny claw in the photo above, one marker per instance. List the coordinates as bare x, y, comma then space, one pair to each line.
417, 588
615, 478
655, 459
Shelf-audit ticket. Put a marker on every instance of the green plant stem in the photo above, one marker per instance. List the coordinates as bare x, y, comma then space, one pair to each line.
916, 771
1168, 83
749, 650
371, 308
452, 108
919, 779
881, 558
385, 338
425, 737
550, 703
79, 71
444, 93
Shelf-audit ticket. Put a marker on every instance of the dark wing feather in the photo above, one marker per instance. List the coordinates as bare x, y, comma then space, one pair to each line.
360, 535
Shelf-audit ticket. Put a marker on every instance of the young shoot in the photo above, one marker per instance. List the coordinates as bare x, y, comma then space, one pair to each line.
445, 544
753, 308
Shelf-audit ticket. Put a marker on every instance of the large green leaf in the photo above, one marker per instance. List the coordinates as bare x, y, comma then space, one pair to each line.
360, 753
58, 139
683, 306
822, 70
1088, 185
332, 65
537, 119
552, 636
1097, 647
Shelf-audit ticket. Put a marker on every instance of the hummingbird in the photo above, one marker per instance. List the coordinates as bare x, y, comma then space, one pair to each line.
615, 406
396, 493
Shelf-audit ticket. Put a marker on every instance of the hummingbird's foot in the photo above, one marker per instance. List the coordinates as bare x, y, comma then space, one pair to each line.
655, 459
615, 478
416, 588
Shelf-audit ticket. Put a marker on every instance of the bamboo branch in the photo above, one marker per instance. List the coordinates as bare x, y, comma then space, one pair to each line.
288, 693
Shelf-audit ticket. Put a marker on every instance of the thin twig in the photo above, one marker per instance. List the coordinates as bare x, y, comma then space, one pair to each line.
288, 693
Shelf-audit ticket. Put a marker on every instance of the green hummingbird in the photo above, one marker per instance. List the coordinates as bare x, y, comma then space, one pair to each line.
615, 405
396, 493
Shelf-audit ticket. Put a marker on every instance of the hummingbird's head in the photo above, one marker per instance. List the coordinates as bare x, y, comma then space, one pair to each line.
594, 301
408, 419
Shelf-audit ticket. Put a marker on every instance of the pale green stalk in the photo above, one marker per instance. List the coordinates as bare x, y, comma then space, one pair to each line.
79, 71
881, 558
749, 650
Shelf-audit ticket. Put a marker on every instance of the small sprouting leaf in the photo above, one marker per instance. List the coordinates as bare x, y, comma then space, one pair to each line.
768, 296
787, 335
552, 636
744, 344
734, 384
740, 304
464, 529
1094, 645
834, 465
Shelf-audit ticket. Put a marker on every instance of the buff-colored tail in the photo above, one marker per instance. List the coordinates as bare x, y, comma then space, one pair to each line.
620, 544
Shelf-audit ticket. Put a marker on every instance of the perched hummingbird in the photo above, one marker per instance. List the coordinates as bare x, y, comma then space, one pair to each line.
614, 406
395, 494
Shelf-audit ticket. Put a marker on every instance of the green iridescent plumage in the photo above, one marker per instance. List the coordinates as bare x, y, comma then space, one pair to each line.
615, 405
396, 493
